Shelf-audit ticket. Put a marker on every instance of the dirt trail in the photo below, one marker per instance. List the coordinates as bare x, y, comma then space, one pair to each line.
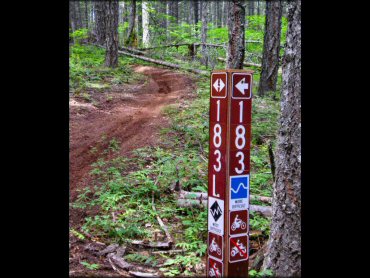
134, 118
132, 115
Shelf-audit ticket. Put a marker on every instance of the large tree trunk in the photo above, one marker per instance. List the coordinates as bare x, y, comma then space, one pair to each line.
236, 26
131, 39
145, 16
251, 7
271, 47
111, 54
283, 255
204, 59
196, 14
100, 22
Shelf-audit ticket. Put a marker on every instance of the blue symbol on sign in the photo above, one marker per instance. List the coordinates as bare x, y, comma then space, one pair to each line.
239, 187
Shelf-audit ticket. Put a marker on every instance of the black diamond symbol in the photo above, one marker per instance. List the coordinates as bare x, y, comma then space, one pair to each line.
216, 211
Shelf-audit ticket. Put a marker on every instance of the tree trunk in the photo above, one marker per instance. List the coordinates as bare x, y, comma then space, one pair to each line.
86, 16
283, 256
271, 47
176, 11
100, 22
236, 30
196, 15
251, 7
204, 32
111, 54
131, 39
145, 16
78, 14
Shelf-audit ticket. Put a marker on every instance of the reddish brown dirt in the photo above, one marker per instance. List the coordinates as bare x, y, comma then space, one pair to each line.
132, 115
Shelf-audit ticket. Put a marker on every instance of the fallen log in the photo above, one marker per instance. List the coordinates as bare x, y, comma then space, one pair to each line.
204, 196
135, 51
162, 63
163, 46
159, 244
143, 274
247, 64
186, 203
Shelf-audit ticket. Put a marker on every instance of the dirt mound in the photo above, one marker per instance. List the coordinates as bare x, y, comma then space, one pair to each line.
134, 118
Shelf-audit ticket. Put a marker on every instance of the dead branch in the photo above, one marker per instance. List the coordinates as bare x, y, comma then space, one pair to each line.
143, 274
158, 244
169, 251
164, 227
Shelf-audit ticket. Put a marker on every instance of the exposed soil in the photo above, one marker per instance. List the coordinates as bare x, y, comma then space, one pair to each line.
131, 114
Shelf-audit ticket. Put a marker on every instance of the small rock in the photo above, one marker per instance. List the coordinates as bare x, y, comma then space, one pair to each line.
148, 225
111, 248
120, 262
120, 251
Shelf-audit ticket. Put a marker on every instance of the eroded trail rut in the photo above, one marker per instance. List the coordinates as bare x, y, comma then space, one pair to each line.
134, 120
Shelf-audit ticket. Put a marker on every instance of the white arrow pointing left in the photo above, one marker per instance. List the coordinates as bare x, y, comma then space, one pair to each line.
242, 86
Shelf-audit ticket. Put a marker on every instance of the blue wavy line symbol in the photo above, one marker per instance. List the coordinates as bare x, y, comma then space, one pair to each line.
240, 185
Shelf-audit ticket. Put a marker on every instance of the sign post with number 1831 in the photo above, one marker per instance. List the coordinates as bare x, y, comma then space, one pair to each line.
229, 173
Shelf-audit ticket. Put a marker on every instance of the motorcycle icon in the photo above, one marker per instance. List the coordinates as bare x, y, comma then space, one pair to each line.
236, 250
213, 273
214, 247
238, 223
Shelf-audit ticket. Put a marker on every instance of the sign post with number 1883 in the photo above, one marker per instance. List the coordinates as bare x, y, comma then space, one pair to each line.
229, 173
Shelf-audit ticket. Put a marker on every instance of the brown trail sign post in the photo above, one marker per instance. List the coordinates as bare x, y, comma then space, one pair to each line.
228, 173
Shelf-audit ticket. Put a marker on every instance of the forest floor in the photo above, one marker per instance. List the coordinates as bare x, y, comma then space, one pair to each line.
129, 115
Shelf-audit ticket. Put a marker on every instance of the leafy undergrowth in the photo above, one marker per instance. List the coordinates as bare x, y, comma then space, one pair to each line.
88, 73
123, 187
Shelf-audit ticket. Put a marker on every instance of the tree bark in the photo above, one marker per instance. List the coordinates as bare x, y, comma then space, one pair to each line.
145, 16
131, 39
251, 8
236, 31
204, 59
271, 47
283, 256
111, 54
196, 15
100, 22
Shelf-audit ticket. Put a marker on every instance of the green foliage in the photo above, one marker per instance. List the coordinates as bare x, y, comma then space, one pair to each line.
87, 70
180, 264
79, 35
259, 223
90, 266
143, 259
255, 274
77, 234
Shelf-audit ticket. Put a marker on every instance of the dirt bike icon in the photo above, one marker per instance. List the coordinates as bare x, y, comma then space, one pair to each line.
214, 247
213, 273
236, 250
238, 223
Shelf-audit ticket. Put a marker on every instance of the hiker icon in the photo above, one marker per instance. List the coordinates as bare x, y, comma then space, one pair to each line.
214, 247
242, 250
238, 223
